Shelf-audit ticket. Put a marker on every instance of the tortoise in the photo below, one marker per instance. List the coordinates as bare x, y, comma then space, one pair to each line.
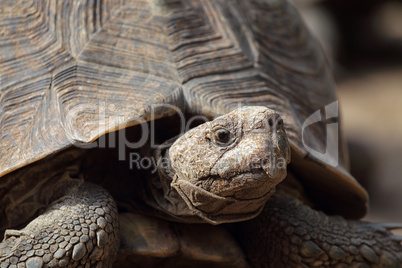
163, 128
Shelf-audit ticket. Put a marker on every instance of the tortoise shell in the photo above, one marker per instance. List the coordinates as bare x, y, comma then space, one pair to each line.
72, 71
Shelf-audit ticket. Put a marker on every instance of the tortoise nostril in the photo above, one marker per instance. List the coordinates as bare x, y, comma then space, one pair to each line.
271, 122
275, 122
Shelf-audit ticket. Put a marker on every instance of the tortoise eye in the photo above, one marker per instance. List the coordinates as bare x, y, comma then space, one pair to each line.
222, 135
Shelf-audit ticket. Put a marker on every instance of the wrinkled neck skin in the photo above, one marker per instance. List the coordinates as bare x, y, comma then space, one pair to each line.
221, 171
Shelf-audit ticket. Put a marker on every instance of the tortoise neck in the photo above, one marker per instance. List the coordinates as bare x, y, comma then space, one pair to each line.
160, 195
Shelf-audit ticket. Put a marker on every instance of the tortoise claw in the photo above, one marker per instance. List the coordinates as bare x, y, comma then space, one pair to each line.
11, 232
391, 225
397, 238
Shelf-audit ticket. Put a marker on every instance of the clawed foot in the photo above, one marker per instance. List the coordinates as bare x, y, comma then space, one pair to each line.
81, 231
295, 235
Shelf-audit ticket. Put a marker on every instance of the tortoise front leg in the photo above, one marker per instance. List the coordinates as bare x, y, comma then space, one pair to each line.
290, 234
80, 228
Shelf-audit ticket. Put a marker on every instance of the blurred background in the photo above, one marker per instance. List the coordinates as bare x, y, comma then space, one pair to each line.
363, 41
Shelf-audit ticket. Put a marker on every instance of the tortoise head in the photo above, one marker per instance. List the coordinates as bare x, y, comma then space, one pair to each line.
226, 169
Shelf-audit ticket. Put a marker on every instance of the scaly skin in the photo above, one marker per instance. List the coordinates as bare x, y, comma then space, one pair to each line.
290, 234
79, 229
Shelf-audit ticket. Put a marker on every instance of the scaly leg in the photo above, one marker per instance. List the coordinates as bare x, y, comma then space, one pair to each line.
290, 234
79, 229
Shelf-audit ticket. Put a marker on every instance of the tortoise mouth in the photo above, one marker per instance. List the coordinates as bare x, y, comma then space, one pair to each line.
245, 202
238, 197
249, 185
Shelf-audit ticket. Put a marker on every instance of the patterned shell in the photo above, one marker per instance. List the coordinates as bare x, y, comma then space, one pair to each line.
63, 62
